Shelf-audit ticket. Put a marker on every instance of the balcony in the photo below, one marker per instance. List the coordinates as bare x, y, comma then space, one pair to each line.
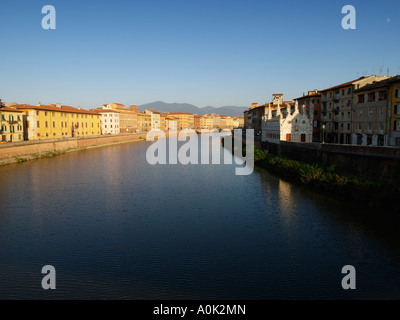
336, 97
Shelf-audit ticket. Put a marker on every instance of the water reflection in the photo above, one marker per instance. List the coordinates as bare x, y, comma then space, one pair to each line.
116, 227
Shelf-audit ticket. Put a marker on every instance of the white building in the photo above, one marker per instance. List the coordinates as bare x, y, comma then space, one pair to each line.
284, 125
155, 119
109, 120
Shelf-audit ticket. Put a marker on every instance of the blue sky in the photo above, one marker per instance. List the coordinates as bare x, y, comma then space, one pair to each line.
202, 52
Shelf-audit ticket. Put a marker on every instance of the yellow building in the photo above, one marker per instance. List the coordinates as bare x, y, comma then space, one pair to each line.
207, 122
55, 121
394, 104
162, 122
11, 124
185, 120
144, 121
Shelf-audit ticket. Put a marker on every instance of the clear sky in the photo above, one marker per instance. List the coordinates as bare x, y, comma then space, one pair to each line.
204, 52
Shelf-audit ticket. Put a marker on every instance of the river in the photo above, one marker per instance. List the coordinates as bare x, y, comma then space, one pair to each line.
115, 227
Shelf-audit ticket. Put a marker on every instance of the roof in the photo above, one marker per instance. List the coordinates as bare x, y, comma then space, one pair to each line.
8, 109
282, 105
346, 84
181, 113
104, 110
53, 108
379, 84
315, 95
117, 104
153, 111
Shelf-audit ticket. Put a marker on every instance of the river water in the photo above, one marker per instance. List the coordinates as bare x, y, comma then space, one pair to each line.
115, 227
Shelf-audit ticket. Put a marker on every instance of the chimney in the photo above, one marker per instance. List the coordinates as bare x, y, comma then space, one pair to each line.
38, 104
58, 105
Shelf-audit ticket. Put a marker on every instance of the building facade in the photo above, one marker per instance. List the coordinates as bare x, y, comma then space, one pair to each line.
109, 120
312, 102
128, 117
287, 125
394, 105
11, 124
337, 109
55, 121
254, 116
143, 122
155, 119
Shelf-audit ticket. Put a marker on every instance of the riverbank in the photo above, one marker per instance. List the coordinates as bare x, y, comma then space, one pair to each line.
330, 180
30, 150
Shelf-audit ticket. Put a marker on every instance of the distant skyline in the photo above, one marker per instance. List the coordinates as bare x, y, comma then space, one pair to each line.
206, 53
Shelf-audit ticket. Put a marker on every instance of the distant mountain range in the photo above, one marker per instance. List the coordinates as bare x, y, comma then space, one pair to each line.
186, 107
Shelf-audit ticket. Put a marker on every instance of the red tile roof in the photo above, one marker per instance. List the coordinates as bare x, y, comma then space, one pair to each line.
53, 108
346, 84
8, 109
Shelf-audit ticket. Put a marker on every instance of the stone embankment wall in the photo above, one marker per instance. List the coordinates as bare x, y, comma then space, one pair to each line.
26, 150
381, 163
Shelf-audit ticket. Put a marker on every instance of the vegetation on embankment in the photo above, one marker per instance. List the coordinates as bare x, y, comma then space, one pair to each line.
331, 180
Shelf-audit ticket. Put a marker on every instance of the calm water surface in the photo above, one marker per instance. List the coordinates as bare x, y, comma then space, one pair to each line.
115, 227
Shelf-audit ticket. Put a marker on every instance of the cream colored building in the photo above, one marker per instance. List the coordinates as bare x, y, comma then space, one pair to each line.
285, 125
11, 124
155, 119
109, 120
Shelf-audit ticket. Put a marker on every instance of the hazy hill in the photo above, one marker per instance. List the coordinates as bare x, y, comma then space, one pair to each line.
186, 107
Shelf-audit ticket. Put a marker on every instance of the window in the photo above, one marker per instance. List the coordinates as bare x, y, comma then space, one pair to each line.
46, 124
360, 98
342, 115
360, 113
382, 95
341, 126
397, 109
348, 126
369, 126
53, 114
343, 92
54, 124
38, 124
382, 126
370, 112
359, 126
348, 115
371, 97
315, 112
348, 103
37, 113
45, 113
349, 91
62, 124
397, 93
